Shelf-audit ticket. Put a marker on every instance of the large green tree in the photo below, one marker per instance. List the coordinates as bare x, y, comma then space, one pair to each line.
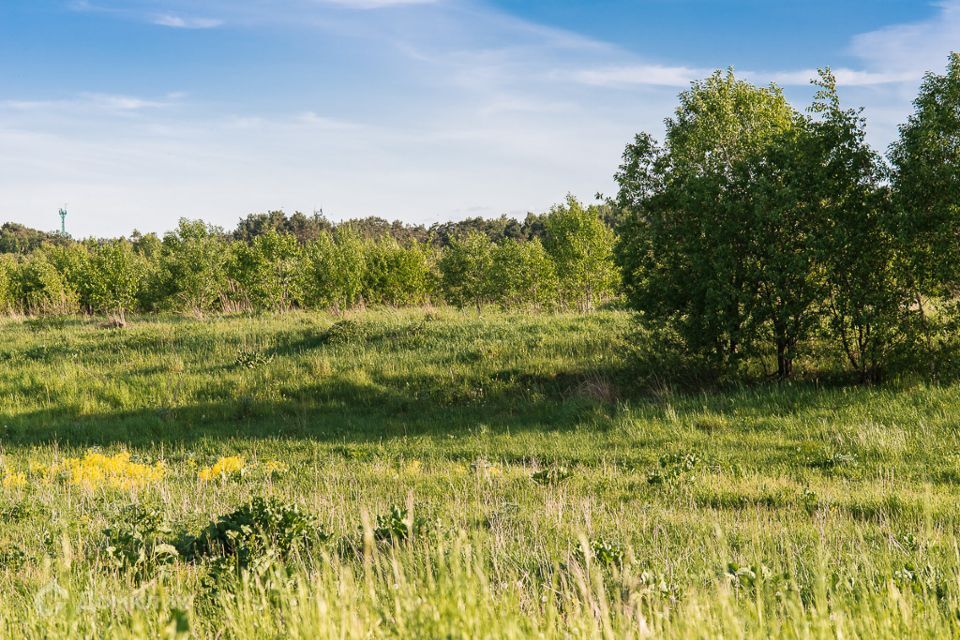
861, 259
686, 236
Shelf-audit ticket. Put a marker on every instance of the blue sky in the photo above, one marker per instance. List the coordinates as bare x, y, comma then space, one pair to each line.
139, 112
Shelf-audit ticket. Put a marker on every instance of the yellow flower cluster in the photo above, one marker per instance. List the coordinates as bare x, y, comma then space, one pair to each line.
14, 480
96, 470
223, 468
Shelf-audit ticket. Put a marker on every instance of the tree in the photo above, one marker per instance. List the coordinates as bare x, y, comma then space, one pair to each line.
396, 275
17, 238
774, 192
465, 270
334, 270
268, 270
39, 288
581, 247
859, 252
496, 229
926, 185
116, 274
522, 273
303, 227
192, 273
375, 228
685, 238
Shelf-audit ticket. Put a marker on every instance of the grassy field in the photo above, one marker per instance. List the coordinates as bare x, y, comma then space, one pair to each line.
448, 475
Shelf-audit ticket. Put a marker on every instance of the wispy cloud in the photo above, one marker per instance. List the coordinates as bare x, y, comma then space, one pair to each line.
376, 4
914, 47
93, 102
668, 76
180, 22
635, 75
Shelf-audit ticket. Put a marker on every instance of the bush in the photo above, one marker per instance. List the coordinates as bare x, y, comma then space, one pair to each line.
523, 274
192, 271
115, 276
269, 271
259, 527
397, 275
140, 540
39, 288
465, 269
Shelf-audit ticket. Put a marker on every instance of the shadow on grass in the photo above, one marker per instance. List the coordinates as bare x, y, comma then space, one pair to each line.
337, 411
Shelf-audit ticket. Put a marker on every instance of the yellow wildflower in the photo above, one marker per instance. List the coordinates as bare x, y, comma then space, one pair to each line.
222, 468
14, 480
117, 472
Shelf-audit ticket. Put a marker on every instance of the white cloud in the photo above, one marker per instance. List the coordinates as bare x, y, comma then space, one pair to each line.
91, 102
912, 48
679, 76
636, 75
376, 4
179, 22
845, 77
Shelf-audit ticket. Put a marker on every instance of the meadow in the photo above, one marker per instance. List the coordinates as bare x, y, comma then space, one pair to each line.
431, 473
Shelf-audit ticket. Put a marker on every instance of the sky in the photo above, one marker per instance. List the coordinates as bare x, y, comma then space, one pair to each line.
135, 113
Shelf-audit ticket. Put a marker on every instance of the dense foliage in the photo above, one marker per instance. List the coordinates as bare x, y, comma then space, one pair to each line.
275, 263
757, 233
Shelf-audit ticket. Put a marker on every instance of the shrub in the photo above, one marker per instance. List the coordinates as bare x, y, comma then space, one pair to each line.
396, 525
396, 275
465, 271
40, 289
259, 527
269, 270
140, 540
115, 275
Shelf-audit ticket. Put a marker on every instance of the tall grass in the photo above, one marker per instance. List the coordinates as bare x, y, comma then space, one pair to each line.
781, 511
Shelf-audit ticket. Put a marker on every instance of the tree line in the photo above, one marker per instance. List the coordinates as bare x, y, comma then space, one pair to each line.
275, 263
20, 239
757, 233
754, 234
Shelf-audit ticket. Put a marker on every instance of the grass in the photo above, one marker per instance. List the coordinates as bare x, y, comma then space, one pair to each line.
550, 497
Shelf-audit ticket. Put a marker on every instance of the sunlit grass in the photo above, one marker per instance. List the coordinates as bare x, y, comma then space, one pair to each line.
551, 498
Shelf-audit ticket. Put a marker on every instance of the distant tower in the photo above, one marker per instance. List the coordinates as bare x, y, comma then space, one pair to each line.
63, 220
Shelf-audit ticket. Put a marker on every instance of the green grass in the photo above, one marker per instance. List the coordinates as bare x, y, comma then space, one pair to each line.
785, 511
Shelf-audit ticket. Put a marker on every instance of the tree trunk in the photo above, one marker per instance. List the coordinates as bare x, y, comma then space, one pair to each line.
784, 362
